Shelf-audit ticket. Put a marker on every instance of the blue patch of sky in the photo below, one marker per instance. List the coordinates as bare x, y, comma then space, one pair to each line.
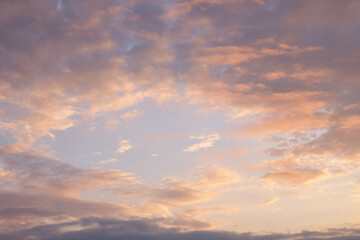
133, 42
147, 134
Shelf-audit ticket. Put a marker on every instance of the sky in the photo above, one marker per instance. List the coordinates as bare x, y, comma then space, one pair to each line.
179, 119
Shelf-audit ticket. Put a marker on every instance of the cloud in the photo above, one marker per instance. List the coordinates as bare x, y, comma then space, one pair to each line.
124, 145
174, 200
180, 193
21, 210
44, 187
293, 178
235, 55
82, 73
108, 228
197, 188
109, 160
97, 153
215, 176
275, 68
220, 64
301, 171
269, 201
206, 141
113, 122
41, 173
38, 188
128, 115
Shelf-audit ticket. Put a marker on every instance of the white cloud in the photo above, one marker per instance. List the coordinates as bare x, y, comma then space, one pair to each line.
206, 141
124, 145
109, 160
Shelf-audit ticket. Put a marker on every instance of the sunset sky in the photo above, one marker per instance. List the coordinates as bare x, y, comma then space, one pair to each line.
179, 119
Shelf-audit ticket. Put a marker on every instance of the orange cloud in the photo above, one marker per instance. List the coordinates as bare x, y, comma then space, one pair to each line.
296, 178
234, 55
269, 201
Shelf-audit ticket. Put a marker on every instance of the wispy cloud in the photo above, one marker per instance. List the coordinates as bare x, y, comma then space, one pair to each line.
206, 141
128, 115
124, 145
269, 201
111, 160
97, 153
294, 178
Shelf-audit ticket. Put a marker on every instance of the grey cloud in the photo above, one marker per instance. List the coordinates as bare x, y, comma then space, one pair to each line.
21, 210
111, 229
38, 172
72, 58
66, 39
41, 188
330, 25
